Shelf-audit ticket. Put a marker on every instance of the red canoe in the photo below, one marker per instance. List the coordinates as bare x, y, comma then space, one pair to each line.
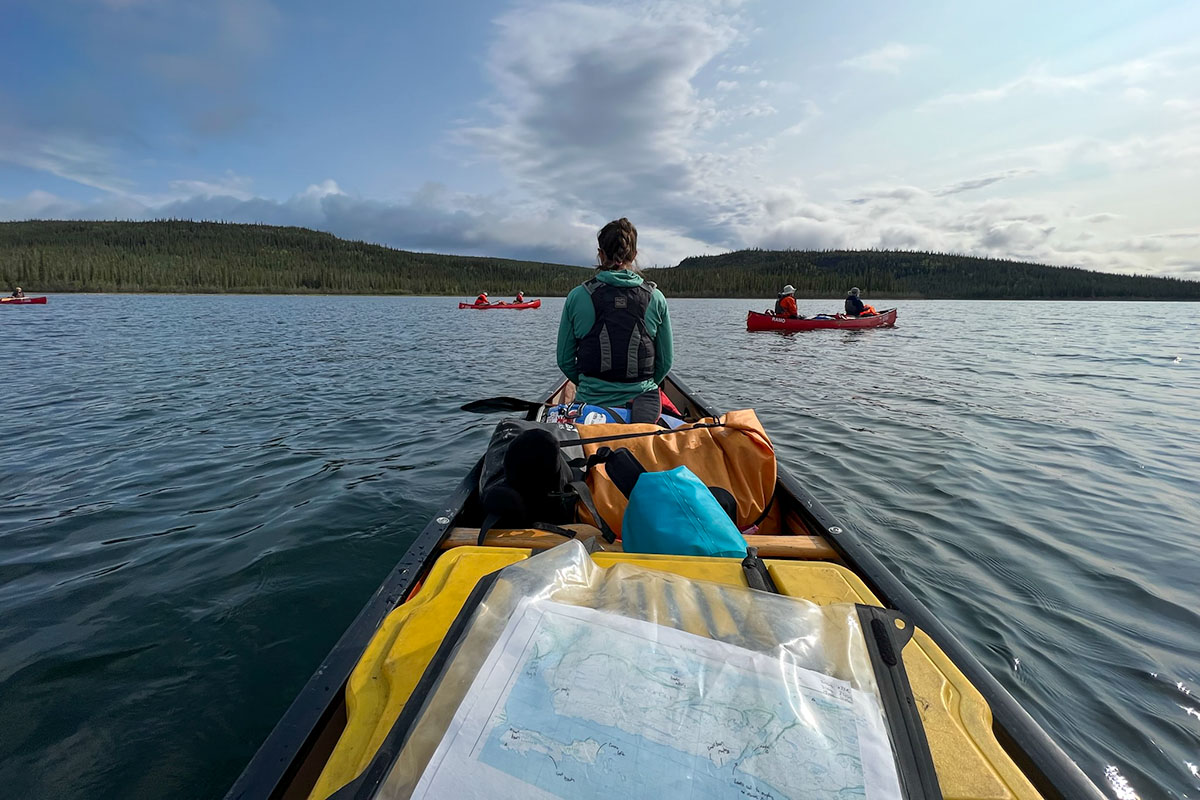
757, 321
22, 301
526, 304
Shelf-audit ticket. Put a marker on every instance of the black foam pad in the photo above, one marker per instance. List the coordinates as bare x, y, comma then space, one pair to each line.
623, 469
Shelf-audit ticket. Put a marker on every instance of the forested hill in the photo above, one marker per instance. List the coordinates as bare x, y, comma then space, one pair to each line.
892, 274
180, 256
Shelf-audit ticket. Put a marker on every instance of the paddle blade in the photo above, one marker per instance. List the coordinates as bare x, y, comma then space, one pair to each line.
497, 405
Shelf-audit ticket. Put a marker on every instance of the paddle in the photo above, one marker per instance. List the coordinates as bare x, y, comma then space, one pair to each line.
496, 405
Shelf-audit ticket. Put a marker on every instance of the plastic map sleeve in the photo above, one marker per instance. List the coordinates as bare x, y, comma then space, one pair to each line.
573, 702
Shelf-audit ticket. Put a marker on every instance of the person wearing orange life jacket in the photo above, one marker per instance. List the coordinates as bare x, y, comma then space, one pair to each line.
785, 306
855, 307
482, 300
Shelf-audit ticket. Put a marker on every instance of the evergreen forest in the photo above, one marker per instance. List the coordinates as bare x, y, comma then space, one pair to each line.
204, 257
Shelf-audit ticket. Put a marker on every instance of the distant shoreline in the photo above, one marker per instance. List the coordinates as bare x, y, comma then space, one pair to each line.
460, 298
182, 257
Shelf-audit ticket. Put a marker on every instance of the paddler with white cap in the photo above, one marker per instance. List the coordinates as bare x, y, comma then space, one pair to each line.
785, 306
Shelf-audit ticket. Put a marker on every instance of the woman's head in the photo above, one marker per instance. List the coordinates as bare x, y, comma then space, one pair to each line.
618, 244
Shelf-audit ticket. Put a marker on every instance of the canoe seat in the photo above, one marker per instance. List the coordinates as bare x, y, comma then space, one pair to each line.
807, 548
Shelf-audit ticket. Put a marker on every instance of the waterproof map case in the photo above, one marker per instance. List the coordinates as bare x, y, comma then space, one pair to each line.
561, 678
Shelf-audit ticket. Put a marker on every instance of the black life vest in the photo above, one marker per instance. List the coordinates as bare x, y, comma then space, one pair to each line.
779, 311
618, 348
854, 306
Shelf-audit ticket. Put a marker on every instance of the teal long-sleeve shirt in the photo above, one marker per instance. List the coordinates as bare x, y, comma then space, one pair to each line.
578, 317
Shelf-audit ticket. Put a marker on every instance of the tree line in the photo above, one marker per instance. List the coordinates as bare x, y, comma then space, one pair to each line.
904, 274
202, 257
184, 256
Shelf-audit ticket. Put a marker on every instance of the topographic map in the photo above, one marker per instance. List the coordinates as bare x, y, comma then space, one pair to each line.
577, 703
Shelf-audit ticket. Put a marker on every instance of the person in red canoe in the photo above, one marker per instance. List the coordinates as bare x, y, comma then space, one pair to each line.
855, 307
482, 299
18, 292
520, 297
785, 306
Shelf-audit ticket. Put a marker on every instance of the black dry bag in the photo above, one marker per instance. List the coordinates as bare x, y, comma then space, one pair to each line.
532, 477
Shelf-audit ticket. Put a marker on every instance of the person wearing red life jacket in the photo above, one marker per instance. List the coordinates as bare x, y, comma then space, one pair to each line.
785, 306
482, 300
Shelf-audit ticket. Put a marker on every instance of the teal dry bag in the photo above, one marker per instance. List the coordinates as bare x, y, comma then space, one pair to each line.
674, 513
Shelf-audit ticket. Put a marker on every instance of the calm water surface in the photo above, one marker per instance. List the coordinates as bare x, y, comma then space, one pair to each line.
197, 494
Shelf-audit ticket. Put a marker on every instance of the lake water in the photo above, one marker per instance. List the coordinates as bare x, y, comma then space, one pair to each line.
197, 494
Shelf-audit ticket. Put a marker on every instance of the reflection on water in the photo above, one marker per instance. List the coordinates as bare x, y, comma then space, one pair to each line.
201, 492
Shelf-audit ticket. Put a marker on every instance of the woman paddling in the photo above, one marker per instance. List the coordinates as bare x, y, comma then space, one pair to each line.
614, 338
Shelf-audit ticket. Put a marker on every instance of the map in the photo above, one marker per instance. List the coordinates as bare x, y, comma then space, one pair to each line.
577, 703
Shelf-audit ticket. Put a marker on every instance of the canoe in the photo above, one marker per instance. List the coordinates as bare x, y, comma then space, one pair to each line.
758, 321
980, 740
526, 304
23, 301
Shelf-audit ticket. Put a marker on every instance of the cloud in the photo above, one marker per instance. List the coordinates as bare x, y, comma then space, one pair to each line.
1130, 75
808, 114
888, 58
902, 194
1177, 149
979, 183
1186, 267
1186, 107
73, 156
615, 136
235, 186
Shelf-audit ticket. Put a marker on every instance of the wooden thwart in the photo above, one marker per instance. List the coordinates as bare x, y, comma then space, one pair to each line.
810, 548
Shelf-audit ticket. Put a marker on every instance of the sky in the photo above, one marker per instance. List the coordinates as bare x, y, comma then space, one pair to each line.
1066, 133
